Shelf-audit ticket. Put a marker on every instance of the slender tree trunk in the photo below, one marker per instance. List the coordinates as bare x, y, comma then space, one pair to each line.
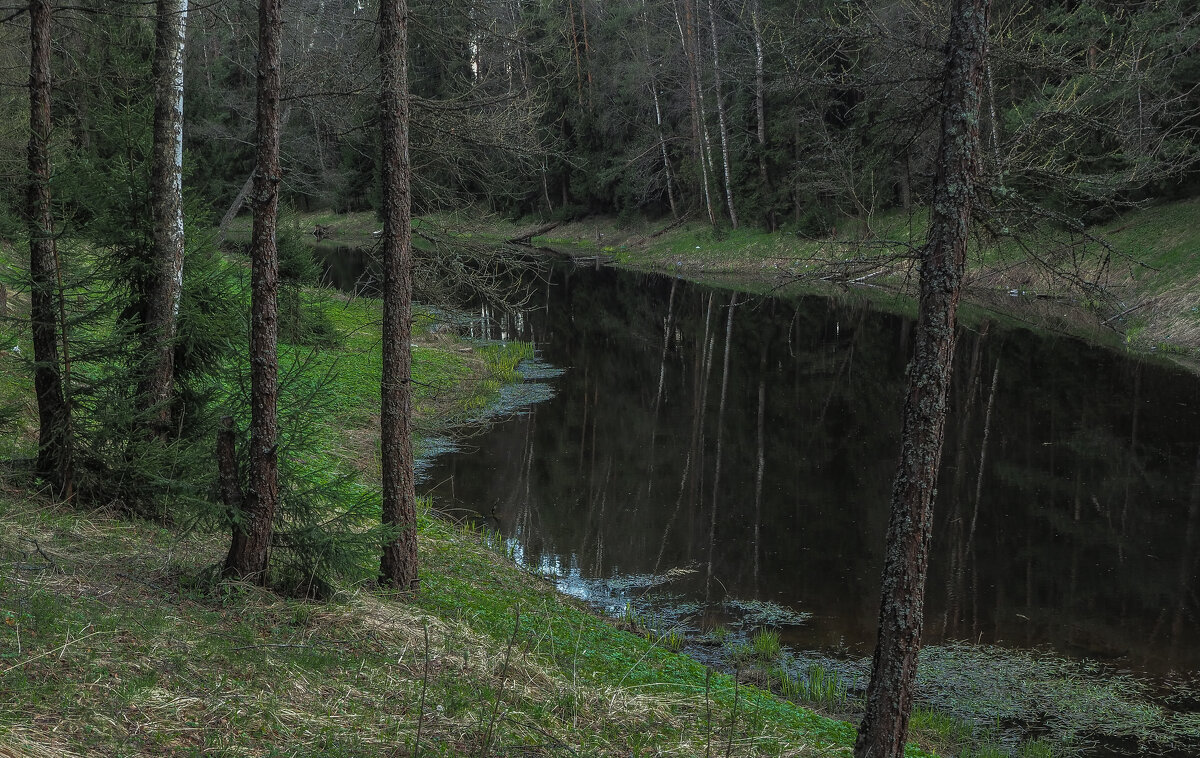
248, 555
764, 178
662, 147
884, 727
587, 50
760, 470
716, 496
724, 132
695, 99
575, 47
166, 278
398, 567
54, 413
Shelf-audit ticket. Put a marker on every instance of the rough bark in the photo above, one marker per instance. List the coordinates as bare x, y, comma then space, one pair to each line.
240, 198
248, 555
884, 727
166, 278
398, 567
54, 415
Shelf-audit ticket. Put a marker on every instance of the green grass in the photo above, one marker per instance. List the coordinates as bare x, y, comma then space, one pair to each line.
766, 645
1155, 271
129, 647
116, 638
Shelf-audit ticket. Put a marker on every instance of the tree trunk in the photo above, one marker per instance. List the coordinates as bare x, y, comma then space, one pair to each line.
575, 47
716, 496
662, 146
248, 557
54, 414
166, 278
760, 114
724, 132
695, 98
884, 727
240, 198
398, 567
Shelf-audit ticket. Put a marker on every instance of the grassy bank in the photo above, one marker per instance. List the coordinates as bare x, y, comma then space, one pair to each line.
116, 640
117, 637
1149, 282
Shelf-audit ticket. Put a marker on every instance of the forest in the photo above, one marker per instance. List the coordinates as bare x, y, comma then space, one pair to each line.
181, 370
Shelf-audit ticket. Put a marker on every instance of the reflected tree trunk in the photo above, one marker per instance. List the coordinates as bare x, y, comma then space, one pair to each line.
889, 697
668, 324
716, 494
1187, 566
762, 462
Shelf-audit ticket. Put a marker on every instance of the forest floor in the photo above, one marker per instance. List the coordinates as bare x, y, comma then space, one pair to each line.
118, 638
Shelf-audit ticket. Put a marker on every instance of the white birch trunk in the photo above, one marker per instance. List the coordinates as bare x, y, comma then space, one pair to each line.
724, 132
166, 282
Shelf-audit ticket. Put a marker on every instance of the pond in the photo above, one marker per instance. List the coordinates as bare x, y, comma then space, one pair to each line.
722, 460
709, 461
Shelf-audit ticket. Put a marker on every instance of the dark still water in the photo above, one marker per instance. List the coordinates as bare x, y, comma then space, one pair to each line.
748, 446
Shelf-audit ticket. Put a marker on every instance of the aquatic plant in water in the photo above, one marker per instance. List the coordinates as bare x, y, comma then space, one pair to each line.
758, 613
1075, 700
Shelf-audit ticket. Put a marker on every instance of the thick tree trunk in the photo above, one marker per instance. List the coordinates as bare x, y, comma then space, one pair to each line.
166, 278
884, 728
398, 567
54, 414
724, 132
248, 555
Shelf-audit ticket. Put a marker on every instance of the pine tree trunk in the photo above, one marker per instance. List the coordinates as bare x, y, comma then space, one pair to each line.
54, 416
884, 727
398, 567
249, 550
166, 279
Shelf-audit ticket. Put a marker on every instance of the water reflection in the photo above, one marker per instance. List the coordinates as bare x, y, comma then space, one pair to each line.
749, 444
